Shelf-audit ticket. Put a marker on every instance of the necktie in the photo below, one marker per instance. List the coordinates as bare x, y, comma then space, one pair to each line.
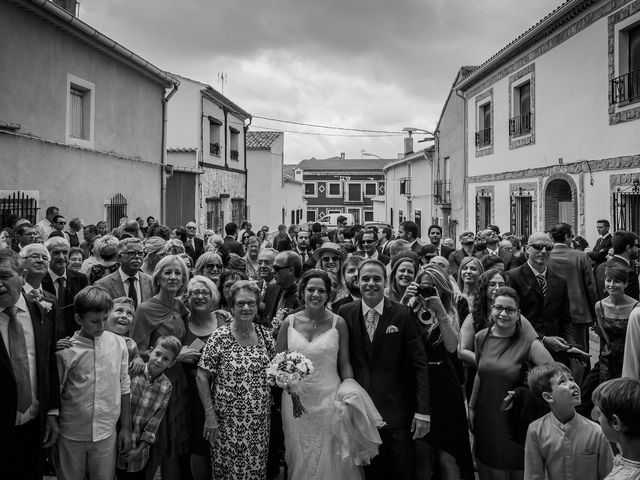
303, 257
19, 360
371, 325
132, 291
543, 284
61, 297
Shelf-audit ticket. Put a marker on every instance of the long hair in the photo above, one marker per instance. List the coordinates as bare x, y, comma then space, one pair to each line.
394, 292
463, 263
481, 305
511, 293
439, 278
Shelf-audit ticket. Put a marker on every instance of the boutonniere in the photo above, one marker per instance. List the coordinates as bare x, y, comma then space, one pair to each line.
46, 306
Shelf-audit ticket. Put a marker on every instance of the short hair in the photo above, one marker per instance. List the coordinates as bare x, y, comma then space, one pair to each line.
236, 275
373, 261
28, 249
75, 223
107, 246
508, 292
270, 251
253, 239
244, 285
22, 227
623, 239
387, 232
125, 242
161, 231
620, 397
604, 221
91, 229
396, 245
490, 261
171, 343
164, 261
341, 219
293, 260
410, 227
316, 227
437, 227
369, 231
74, 250
539, 378
351, 261
495, 228
13, 259
560, 231
311, 274
101, 222
213, 290
173, 246
92, 299
123, 301
515, 241
150, 218
153, 245
292, 228
230, 228
50, 210
56, 242
56, 218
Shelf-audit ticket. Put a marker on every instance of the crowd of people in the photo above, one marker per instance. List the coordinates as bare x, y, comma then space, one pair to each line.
146, 348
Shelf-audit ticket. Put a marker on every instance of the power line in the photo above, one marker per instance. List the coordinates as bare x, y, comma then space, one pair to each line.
331, 134
327, 126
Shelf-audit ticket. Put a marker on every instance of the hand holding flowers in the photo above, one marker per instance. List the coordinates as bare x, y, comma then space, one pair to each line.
287, 370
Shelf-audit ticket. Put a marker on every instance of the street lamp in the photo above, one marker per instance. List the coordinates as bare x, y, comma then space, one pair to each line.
410, 131
367, 154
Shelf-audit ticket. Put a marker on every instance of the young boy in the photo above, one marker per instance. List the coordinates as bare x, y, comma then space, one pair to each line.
119, 322
150, 392
617, 408
94, 393
563, 444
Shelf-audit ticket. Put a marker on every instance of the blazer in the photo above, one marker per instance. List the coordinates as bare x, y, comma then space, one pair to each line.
393, 369
112, 283
575, 268
446, 251
199, 244
382, 258
601, 249
46, 372
633, 289
76, 281
271, 301
282, 242
455, 258
551, 315
233, 246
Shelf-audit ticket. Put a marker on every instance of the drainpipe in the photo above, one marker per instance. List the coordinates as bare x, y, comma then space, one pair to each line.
246, 170
163, 157
226, 135
465, 184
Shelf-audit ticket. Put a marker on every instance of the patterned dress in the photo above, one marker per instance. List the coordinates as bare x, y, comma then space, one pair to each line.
242, 403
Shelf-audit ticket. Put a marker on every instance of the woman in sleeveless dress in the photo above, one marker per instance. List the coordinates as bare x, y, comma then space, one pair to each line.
311, 449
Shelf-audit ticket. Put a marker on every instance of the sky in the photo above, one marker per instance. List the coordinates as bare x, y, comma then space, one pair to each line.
365, 64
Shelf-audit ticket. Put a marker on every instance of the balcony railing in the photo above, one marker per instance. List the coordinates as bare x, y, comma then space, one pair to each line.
483, 138
405, 186
234, 154
214, 149
520, 124
442, 192
625, 88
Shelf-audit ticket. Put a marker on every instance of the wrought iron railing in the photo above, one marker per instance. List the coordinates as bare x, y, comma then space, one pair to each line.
234, 154
483, 138
625, 88
214, 149
520, 124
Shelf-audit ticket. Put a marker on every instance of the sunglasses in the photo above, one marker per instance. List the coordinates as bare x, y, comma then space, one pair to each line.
213, 266
277, 268
540, 246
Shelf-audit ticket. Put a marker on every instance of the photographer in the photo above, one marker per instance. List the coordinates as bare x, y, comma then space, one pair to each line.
448, 441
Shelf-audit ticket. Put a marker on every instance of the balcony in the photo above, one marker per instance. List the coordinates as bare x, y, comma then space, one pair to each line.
625, 88
483, 138
214, 149
442, 192
520, 124
234, 154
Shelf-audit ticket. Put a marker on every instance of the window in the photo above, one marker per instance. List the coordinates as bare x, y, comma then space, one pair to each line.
214, 136
310, 189
520, 123
405, 186
215, 221
311, 215
354, 192
368, 215
483, 212
625, 88
116, 209
370, 189
334, 190
237, 210
80, 112
234, 135
521, 214
483, 135
626, 205
356, 214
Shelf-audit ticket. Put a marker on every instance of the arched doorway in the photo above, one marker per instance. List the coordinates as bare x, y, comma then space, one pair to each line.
560, 203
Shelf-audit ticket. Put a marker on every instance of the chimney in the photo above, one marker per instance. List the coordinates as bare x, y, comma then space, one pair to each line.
342, 155
408, 145
68, 5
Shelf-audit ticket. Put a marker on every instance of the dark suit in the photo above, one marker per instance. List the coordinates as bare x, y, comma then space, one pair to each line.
393, 369
382, 258
551, 315
633, 289
26, 458
272, 298
76, 281
199, 246
455, 258
283, 242
445, 251
601, 249
112, 283
233, 246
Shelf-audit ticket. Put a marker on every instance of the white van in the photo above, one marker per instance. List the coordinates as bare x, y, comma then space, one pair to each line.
331, 220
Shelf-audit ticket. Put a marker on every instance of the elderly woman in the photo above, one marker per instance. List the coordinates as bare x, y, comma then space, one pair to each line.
251, 258
76, 257
210, 265
203, 297
107, 248
227, 279
232, 383
152, 255
165, 314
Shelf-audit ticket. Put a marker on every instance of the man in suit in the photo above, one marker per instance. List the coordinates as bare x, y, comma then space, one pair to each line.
435, 236
384, 237
487, 243
599, 253
64, 284
286, 241
302, 249
408, 231
625, 254
544, 296
467, 240
25, 234
575, 268
230, 242
368, 248
196, 243
28, 374
128, 280
35, 261
390, 363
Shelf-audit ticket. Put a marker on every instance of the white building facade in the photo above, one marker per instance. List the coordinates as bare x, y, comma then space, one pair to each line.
552, 124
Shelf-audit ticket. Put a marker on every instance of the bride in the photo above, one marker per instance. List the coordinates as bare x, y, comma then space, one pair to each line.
311, 451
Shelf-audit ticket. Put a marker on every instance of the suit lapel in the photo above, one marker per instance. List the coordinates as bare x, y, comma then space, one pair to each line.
363, 335
526, 269
383, 322
117, 284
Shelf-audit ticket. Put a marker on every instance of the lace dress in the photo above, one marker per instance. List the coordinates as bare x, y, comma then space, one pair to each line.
311, 451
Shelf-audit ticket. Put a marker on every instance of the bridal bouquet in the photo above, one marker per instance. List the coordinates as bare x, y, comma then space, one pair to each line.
287, 370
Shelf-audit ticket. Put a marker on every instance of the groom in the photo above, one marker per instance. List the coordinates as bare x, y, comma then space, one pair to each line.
390, 363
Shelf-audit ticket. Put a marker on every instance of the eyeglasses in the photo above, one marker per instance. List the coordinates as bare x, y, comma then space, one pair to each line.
200, 293
540, 246
134, 253
496, 284
213, 266
277, 268
508, 310
191, 228
38, 256
368, 241
330, 259
240, 304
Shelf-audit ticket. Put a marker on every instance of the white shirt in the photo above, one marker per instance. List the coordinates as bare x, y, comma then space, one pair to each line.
373, 257
23, 316
45, 228
125, 283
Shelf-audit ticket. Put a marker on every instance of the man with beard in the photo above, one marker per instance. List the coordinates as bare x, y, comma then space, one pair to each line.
302, 249
64, 284
128, 280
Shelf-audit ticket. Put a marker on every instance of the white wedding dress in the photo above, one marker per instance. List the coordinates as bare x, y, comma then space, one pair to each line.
311, 450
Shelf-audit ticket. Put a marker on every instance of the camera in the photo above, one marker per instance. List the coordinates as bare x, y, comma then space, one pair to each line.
426, 291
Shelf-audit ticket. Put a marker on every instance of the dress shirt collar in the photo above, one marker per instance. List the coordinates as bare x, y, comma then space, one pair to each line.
124, 276
374, 256
28, 288
21, 303
378, 308
535, 272
621, 257
564, 426
54, 276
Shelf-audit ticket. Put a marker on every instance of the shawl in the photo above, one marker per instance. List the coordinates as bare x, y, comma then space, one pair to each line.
152, 314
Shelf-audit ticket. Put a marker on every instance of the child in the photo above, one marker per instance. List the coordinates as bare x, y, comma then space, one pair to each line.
563, 444
150, 392
617, 408
94, 393
119, 322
